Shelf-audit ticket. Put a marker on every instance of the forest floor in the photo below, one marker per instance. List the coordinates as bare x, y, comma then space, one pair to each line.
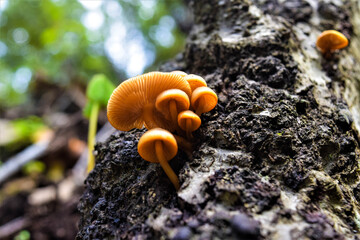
39, 200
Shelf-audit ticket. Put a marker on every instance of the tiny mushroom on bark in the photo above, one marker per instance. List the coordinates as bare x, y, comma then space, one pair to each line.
203, 99
171, 102
132, 104
195, 81
159, 146
189, 122
331, 40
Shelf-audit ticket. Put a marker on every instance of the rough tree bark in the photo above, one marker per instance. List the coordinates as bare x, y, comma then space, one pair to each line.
276, 159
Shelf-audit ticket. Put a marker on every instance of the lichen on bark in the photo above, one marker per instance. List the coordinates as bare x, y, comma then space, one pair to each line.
276, 159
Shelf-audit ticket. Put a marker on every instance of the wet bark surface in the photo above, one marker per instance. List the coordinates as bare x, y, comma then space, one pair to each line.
276, 159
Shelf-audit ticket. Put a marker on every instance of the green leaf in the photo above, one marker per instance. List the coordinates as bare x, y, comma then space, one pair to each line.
99, 89
34, 167
23, 235
26, 127
87, 109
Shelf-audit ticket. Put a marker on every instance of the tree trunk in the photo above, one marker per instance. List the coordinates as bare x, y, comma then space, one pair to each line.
276, 159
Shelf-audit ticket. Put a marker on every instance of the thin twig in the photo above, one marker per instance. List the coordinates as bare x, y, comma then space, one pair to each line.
30, 153
13, 227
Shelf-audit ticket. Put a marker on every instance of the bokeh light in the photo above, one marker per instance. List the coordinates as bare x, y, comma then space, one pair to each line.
66, 41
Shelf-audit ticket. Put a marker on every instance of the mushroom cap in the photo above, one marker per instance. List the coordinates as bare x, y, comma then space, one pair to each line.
331, 40
195, 81
181, 99
185, 115
181, 73
204, 95
127, 102
146, 145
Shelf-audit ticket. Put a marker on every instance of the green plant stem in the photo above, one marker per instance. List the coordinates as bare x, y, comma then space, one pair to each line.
91, 135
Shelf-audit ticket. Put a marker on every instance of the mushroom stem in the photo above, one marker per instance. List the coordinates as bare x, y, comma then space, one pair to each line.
200, 108
174, 114
173, 110
327, 54
148, 116
183, 143
188, 129
159, 149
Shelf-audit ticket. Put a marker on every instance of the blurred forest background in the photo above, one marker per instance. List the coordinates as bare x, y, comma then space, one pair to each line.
49, 51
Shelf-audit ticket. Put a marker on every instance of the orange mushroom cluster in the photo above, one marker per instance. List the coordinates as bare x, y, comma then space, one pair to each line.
161, 102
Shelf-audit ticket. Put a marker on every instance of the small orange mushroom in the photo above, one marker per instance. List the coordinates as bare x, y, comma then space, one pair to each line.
203, 99
159, 146
195, 81
132, 104
171, 102
331, 40
189, 122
